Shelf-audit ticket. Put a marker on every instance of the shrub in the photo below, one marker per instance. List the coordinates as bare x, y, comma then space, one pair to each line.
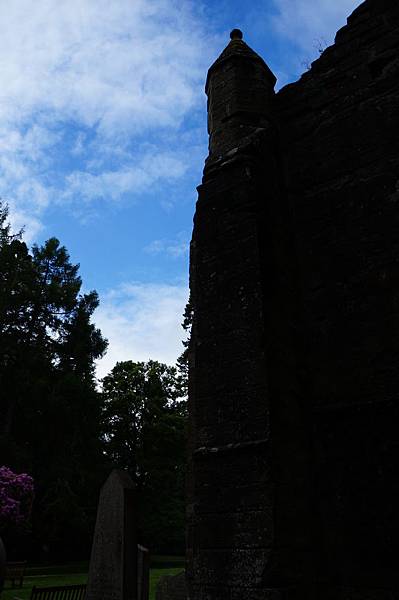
16, 497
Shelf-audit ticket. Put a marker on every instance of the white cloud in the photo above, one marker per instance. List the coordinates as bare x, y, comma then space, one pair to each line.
112, 72
172, 247
142, 322
115, 65
134, 177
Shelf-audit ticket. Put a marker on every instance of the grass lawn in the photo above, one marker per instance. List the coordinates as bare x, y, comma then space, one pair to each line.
69, 579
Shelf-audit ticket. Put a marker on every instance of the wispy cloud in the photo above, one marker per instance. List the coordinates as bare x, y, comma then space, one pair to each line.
142, 321
133, 177
108, 73
172, 247
124, 64
309, 26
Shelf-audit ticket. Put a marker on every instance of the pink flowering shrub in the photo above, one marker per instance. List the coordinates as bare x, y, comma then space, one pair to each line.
16, 497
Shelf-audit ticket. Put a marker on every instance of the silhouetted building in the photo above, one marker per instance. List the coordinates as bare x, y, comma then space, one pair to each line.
294, 377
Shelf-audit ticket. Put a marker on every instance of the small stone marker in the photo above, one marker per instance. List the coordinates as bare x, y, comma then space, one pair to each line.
172, 587
113, 562
143, 573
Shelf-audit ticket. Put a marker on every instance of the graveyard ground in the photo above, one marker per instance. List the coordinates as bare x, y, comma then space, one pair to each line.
63, 578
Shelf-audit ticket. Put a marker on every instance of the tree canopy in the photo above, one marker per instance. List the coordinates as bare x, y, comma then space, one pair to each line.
50, 409
144, 431
57, 424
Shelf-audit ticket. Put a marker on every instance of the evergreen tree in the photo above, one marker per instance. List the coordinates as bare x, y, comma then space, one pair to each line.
50, 408
183, 360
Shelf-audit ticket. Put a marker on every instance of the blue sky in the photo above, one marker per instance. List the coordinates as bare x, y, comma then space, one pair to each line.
103, 137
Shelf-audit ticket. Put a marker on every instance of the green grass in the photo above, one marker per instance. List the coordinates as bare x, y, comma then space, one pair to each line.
42, 581
155, 574
71, 578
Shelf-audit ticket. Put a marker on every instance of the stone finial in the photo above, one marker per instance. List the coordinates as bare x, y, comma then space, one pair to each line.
236, 34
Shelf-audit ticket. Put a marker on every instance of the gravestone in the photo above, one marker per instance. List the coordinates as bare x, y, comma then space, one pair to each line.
113, 562
143, 573
172, 587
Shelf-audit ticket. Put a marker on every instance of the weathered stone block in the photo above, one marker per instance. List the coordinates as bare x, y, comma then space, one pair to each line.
113, 562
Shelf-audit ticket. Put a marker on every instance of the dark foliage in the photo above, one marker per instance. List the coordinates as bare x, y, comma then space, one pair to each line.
50, 408
144, 424
58, 427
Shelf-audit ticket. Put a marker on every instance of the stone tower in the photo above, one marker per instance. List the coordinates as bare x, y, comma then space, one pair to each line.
294, 415
242, 359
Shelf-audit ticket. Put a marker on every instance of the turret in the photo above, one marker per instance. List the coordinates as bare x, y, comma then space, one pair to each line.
234, 279
240, 89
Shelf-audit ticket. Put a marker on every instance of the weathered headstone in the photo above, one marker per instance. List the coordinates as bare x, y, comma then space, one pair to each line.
143, 573
113, 563
172, 587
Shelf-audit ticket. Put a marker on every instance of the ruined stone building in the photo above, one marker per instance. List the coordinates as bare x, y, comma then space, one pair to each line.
294, 385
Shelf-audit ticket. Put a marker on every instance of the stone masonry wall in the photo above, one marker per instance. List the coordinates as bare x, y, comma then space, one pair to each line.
230, 498
292, 489
339, 132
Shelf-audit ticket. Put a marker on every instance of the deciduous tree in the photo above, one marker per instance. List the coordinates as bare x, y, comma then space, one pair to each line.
144, 426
